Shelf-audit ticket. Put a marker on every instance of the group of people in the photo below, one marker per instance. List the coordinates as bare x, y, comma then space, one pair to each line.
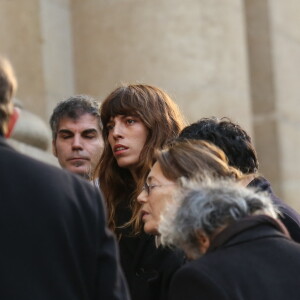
164, 210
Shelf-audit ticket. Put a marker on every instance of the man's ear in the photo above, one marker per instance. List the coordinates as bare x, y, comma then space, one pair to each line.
204, 242
12, 121
54, 148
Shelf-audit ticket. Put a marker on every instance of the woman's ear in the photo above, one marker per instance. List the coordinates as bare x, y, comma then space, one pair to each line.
12, 121
204, 242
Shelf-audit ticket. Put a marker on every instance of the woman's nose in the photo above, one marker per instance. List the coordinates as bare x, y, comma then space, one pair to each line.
117, 131
142, 197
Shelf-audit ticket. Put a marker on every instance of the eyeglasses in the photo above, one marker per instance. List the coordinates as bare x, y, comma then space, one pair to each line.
149, 187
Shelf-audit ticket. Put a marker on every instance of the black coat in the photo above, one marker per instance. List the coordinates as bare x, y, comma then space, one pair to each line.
252, 262
148, 269
54, 241
289, 217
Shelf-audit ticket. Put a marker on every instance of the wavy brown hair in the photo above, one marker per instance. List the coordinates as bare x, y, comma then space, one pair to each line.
162, 118
195, 158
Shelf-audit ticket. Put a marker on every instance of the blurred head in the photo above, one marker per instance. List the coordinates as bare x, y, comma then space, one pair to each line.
8, 87
228, 136
137, 119
204, 210
76, 131
189, 159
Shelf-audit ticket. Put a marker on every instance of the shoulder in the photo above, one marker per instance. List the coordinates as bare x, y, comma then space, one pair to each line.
289, 217
194, 281
38, 178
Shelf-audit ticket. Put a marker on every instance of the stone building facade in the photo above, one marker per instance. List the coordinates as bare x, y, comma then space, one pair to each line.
233, 58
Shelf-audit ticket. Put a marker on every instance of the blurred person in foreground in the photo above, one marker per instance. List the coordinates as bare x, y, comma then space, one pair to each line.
54, 239
76, 134
240, 250
241, 154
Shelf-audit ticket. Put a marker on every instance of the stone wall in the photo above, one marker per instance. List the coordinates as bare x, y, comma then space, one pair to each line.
231, 58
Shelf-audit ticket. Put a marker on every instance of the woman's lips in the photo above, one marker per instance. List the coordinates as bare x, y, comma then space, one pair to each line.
119, 149
144, 214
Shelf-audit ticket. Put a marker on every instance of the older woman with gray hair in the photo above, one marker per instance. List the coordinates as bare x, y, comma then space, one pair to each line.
247, 252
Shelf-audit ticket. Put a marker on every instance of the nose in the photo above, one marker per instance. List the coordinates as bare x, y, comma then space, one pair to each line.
117, 132
142, 197
77, 143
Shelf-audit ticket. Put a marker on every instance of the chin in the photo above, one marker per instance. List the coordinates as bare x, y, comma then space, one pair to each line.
122, 163
80, 172
152, 230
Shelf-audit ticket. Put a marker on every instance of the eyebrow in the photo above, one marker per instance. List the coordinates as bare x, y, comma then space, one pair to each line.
151, 178
90, 130
64, 131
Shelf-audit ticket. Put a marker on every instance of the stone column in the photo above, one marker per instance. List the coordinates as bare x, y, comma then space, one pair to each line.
21, 42
284, 16
194, 49
263, 90
57, 49
36, 36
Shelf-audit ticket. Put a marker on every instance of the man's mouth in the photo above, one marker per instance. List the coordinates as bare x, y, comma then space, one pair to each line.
78, 158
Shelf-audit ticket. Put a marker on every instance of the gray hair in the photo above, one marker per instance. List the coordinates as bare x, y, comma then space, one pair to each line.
209, 206
74, 107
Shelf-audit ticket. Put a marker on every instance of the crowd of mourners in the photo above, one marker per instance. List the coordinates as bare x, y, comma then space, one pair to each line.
146, 206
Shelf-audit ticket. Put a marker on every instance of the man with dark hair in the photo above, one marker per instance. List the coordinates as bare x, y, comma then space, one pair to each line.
241, 154
54, 240
76, 134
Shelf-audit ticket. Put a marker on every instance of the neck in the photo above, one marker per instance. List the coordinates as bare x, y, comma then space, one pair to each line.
134, 174
247, 179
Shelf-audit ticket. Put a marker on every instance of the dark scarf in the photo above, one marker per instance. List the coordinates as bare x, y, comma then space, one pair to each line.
243, 224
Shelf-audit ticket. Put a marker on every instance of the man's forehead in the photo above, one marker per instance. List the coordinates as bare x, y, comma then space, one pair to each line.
82, 122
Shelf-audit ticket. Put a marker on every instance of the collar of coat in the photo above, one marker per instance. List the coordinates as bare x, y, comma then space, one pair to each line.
246, 224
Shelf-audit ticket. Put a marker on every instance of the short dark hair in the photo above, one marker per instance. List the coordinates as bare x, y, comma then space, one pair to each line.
228, 136
73, 108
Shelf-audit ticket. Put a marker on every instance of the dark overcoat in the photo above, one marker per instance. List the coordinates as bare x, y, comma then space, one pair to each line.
54, 241
289, 217
148, 268
255, 263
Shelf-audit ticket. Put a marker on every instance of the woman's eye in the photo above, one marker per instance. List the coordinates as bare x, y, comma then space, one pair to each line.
109, 126
130, 121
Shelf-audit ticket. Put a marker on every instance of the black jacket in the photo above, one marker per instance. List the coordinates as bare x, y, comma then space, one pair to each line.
289, 217
253, 262
148, 269
54, 241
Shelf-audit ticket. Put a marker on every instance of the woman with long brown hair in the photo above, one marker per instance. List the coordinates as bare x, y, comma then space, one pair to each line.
137, 120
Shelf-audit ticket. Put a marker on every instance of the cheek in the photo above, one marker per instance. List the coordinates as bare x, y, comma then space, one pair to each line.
59, 149
110, 139
157, 207
165, 200
141, 137
140, 143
